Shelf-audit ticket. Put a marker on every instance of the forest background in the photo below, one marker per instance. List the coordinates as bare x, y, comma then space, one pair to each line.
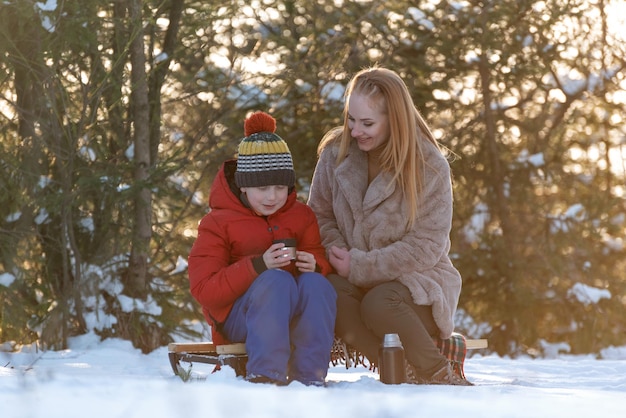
116, 114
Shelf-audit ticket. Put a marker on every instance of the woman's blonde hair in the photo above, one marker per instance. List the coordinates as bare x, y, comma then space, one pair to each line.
402, 155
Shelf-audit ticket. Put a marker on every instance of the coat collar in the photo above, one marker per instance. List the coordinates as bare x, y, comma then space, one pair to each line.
351, 176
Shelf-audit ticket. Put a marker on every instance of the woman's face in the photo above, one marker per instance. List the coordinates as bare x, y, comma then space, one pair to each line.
369, 126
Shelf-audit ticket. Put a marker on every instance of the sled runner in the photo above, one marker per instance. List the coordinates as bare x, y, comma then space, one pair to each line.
234, 355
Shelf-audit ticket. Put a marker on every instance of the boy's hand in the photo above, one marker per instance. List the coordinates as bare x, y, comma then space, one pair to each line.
274, 257
305, 261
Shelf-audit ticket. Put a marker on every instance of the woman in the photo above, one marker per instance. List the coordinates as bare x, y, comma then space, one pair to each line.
382, 195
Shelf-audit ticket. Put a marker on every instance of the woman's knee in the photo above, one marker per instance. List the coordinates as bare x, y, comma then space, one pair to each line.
344, 288
383, 300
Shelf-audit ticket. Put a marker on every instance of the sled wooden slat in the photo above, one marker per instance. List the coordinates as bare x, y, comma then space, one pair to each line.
238, 348
205, 347
191, 348
476, 344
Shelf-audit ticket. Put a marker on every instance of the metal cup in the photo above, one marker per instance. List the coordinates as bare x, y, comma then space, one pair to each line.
289, 248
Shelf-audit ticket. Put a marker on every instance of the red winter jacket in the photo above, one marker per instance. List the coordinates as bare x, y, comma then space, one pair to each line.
231, 235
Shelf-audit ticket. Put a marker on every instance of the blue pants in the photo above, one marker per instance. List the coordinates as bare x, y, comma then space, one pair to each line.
287, 324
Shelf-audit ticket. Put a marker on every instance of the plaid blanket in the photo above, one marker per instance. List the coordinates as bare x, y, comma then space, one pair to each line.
453, 348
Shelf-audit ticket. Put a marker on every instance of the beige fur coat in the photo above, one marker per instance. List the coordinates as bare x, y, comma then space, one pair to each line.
370, 221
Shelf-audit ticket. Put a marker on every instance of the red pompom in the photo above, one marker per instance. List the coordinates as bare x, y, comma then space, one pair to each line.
259, 122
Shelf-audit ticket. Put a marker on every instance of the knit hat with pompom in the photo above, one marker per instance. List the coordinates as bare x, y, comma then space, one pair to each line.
264, 157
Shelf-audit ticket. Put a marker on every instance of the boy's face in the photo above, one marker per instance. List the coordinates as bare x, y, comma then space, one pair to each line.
267, 199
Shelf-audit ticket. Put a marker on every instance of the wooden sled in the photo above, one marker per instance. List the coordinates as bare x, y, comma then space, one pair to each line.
234, 355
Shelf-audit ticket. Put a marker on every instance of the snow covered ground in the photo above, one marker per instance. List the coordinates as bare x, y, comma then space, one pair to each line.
96, 379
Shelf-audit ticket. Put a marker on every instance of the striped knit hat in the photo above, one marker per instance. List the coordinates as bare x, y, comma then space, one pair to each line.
264, 158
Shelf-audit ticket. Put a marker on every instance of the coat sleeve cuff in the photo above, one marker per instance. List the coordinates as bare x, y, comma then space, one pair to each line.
259, 265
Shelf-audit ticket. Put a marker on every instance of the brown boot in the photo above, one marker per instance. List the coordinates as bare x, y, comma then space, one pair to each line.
444, 376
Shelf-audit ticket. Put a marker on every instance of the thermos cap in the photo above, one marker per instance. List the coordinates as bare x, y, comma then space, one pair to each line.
392, 340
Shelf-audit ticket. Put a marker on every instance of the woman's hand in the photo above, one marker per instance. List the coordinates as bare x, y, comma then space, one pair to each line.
274, 256
305, 261
340, 259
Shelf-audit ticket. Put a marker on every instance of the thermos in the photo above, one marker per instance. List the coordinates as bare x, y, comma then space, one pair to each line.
391, 360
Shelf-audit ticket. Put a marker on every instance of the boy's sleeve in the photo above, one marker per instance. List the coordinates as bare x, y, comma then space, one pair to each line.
213, 282
312, 243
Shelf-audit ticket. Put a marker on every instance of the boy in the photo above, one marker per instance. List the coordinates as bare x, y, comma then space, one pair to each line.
250, 289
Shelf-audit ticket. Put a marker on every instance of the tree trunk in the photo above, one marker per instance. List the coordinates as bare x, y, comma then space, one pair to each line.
157, 76
136, 280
